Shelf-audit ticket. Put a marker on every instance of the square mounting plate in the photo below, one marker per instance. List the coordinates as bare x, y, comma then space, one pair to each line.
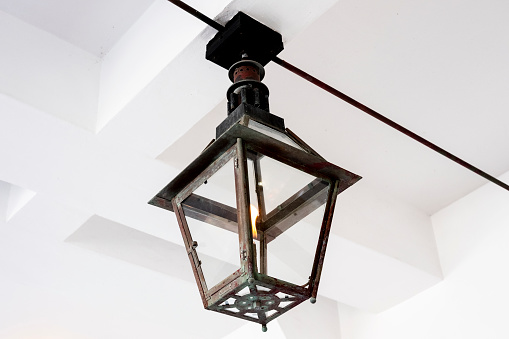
243, 34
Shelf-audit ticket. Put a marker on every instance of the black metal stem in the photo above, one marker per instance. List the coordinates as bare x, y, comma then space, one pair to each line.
352, 101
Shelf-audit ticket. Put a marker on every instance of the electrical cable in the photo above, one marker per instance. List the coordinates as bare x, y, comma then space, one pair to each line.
387, 121
198, 14
351, 101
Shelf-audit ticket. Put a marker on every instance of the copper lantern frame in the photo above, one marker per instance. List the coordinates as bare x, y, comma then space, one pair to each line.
237, 140
240, 143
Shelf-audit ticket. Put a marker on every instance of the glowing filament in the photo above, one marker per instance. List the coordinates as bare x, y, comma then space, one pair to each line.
254, 216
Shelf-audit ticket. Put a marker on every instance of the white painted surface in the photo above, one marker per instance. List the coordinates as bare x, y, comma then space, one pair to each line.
371, 218
253, 331
445, 80
4, 199
471, 302
18, 198
54, 288
12, 199
306, 322
369, 280
149, 45
94, 26
48, 73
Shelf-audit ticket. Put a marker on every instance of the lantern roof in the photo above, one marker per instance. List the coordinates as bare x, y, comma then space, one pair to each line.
301, 157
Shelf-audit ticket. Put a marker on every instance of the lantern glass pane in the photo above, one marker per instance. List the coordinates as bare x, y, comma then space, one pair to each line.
292, 206
271, 132
220, 186
253, 199
255, 207
280, 182
291, 254
217, 250
211, 216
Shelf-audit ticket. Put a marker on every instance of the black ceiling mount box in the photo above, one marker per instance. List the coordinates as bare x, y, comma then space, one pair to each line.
243, 34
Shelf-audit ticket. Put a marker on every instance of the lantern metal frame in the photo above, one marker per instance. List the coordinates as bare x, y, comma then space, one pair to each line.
266, 297
239, 142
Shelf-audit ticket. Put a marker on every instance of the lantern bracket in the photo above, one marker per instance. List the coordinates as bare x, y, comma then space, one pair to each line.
243, 34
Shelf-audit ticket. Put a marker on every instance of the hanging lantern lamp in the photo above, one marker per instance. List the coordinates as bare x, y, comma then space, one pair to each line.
255, 207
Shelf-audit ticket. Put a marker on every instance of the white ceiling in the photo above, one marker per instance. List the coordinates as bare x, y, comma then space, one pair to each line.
104, 102
94, 26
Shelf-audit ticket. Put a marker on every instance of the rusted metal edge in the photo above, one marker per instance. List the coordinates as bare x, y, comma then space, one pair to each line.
292, 156
202, 178
210, 143
301, 143
323, 239
247, 256
297, 295
162, 203
228, 285
304, 196
262, 214
279, 220
193, 256
281, 311
251, 112
294, 210
257, 142
193, 170
211, 212
282, 286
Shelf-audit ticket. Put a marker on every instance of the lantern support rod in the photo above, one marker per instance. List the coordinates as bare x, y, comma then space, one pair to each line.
352, 101
323, 240
191, 251
295, 208
243, 210
210, 211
